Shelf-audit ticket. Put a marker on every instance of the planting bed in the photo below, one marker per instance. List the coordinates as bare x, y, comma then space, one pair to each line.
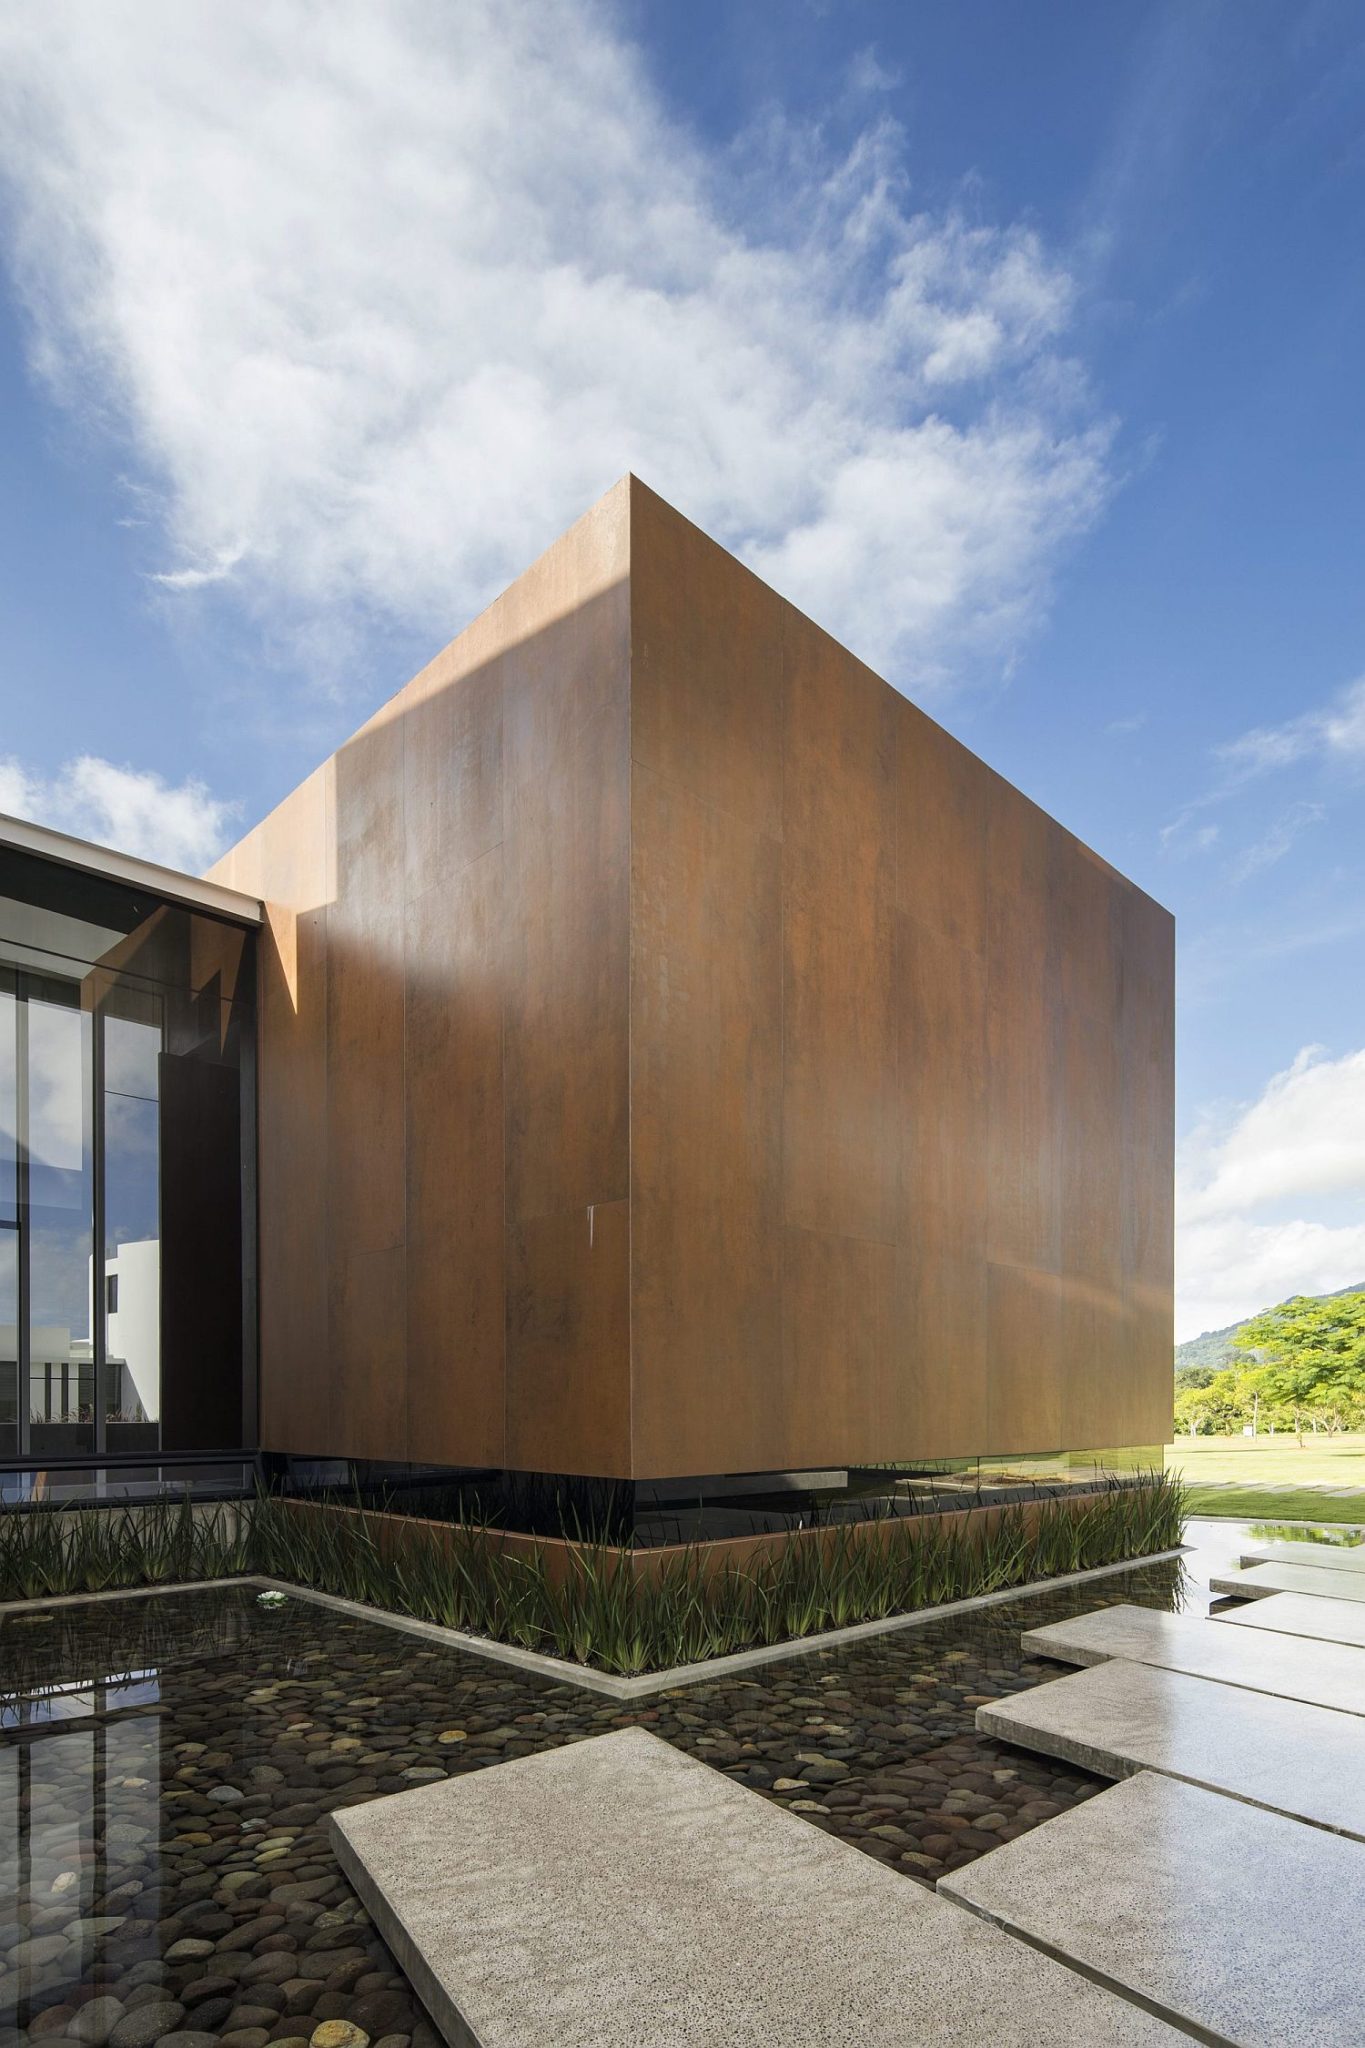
168, 1762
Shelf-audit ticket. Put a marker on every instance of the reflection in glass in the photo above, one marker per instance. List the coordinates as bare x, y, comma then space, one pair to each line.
61, 1375
9, 1101
9, 1216
125, 1102
9, 1339
132, 1221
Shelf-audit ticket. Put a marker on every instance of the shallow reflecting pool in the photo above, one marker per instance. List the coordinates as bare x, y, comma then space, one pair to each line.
167, 1764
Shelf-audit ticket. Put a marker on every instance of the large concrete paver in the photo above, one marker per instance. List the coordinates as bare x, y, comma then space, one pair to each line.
615, 1893
1237, 1922
1300, 1614
1117, 1717
1259, 1581
1328, 1557
1320, 1674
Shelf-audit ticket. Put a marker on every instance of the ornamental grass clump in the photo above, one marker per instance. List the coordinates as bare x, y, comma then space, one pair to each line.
48, 1550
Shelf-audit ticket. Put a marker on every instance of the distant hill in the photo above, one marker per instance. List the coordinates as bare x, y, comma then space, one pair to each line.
1214, 1348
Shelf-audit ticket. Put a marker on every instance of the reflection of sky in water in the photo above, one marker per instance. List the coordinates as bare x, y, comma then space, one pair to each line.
78, 1699
58, 1786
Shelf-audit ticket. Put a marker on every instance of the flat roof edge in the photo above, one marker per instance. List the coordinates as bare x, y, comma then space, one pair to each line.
190, 891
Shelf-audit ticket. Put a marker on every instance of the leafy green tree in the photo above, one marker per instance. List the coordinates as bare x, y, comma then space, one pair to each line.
1214, 1409
1193, 1378
1193, 1415
1312, 1356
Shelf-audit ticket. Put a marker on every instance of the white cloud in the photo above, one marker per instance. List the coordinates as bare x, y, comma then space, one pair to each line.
1231, 1269
1300, 1147
190, 578
182, 825
383, 297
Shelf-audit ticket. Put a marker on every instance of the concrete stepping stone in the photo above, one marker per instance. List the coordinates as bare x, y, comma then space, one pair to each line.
1321, 1674
617, 1894
1338, 1557
1257, 1581
1300, 1614
1118, 1717
1239, 1924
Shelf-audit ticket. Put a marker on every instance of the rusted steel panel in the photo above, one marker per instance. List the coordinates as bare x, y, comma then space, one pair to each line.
455, 1201
706, 669
454, 880
568, 1341
975, 1075
706, 1052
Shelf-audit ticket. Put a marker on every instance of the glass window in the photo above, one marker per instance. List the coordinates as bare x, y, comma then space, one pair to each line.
132, 1220
126, 1029
9, 1102
9, 1338
60, 1150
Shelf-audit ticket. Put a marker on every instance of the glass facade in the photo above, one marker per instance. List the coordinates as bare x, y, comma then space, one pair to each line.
127, 1219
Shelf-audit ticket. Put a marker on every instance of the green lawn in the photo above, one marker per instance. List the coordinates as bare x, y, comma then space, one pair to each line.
1270, 1476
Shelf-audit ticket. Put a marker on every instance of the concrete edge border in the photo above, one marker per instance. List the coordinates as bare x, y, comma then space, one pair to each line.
563, 1672
123, 1593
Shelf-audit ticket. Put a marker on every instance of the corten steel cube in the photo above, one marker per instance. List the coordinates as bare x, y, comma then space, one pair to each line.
678, 1055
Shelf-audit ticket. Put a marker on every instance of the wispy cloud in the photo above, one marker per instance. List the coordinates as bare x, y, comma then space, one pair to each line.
1261, 1191
182, 825
1332, 730
1183, 837
1275, 843
382, 297
867, 73
1330, 734
199, 578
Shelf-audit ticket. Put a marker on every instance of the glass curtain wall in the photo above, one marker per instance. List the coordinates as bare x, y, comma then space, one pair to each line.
126, 1199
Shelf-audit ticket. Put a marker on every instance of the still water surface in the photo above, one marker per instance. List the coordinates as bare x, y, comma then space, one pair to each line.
168, 1763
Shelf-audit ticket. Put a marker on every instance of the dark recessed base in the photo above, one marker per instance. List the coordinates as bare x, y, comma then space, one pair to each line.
652, 1513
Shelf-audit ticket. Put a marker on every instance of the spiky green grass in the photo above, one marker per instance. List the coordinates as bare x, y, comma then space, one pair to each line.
51, 1550
599, 1612
602, 1614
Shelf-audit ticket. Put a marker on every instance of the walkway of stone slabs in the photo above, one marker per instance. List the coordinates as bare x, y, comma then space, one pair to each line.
618, 1892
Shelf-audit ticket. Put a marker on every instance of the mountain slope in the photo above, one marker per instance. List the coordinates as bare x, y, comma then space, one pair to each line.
1215, 1348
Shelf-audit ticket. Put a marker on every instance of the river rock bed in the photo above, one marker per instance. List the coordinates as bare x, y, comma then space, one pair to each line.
167, 1766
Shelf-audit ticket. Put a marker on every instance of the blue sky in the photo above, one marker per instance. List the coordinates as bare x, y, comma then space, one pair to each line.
1018, 345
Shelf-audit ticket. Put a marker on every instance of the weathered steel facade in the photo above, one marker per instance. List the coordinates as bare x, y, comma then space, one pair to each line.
679, 1056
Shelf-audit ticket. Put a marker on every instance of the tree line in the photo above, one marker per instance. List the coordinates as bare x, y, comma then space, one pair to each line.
1304, 1370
